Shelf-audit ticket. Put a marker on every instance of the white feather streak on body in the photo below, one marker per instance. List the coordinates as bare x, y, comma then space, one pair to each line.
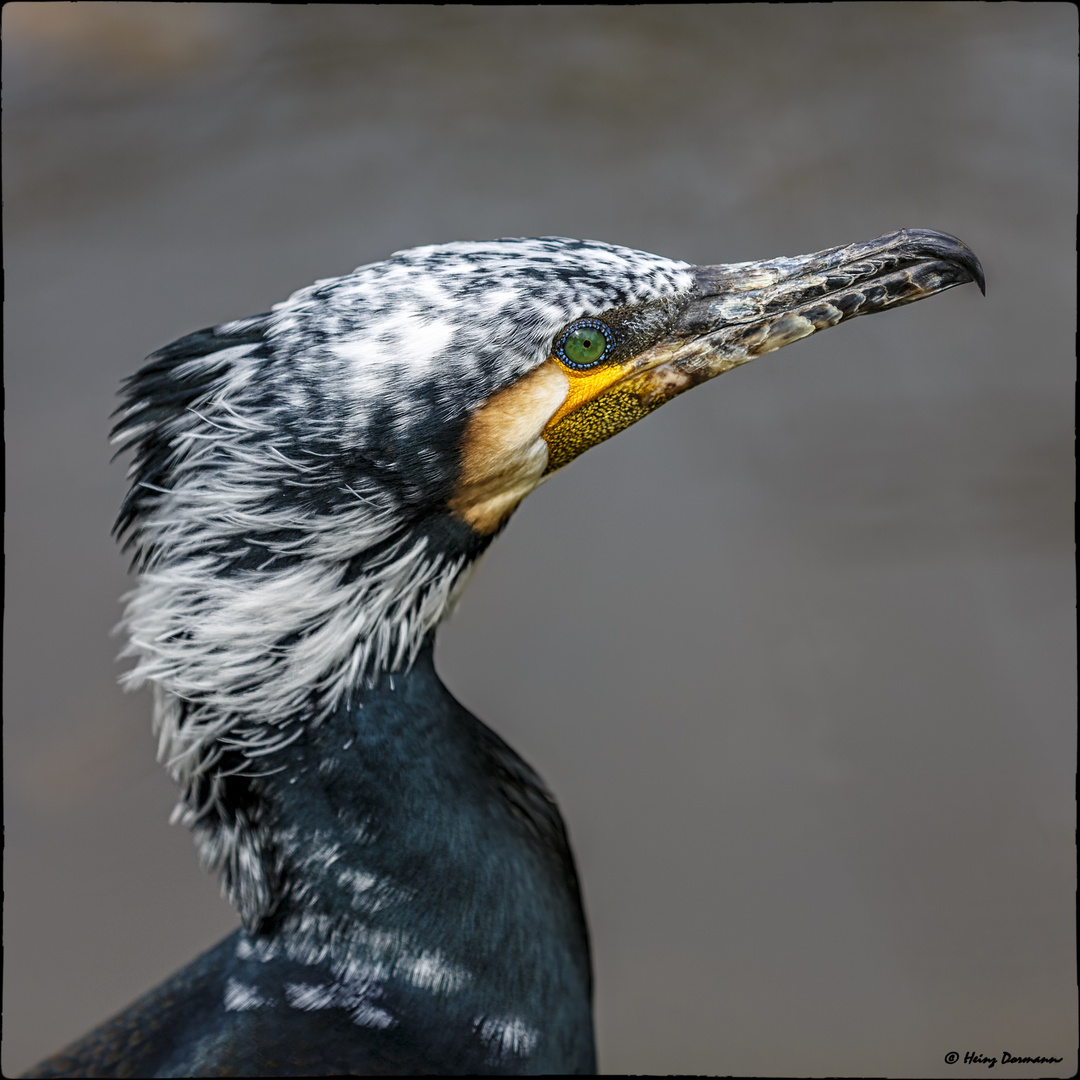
505, 1037
241, 998
355, 997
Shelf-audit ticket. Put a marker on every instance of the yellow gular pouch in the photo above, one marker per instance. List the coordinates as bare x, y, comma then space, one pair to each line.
600, 404
538, 425
604, 401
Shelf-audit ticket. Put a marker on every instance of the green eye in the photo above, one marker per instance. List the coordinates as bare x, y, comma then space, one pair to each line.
584, 344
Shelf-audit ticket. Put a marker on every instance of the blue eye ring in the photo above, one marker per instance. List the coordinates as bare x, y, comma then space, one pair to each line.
575, 328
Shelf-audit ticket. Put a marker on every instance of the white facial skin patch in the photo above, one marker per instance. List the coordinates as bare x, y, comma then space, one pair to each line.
504, 455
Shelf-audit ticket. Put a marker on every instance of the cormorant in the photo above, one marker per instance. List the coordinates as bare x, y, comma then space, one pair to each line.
310, 488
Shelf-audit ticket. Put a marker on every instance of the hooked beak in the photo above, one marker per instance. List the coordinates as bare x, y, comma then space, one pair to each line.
744, 310
739, 311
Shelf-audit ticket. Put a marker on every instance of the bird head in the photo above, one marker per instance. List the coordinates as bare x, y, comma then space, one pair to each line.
310, 485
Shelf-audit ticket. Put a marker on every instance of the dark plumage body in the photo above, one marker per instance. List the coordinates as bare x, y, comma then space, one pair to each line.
431, 796
310, 488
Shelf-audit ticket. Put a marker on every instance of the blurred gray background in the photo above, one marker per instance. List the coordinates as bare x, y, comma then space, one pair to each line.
796, 653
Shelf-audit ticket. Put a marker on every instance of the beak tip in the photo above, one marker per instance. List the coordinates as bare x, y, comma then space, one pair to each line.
971, 263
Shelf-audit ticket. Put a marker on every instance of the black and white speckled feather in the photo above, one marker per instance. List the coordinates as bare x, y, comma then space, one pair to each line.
286, 467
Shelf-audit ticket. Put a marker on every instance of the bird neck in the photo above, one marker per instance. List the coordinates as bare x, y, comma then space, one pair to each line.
400, 818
